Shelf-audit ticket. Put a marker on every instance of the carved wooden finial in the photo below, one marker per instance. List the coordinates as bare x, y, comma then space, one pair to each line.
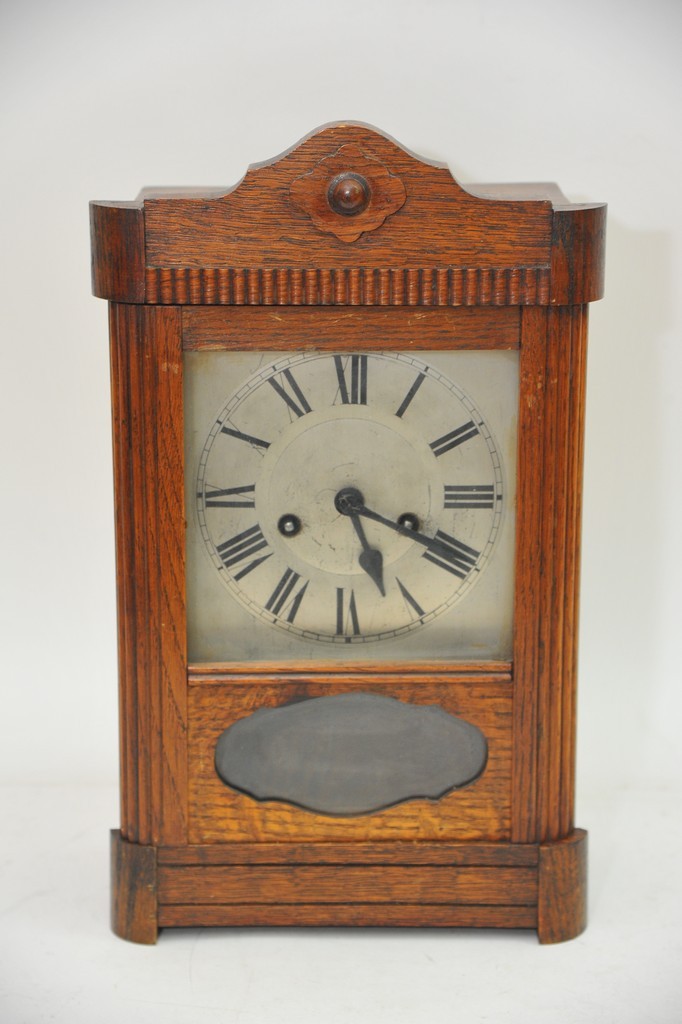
348, 193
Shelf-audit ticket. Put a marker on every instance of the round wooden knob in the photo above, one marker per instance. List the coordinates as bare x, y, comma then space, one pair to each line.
348, 194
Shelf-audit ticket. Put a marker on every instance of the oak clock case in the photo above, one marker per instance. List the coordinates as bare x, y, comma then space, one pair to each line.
348, 403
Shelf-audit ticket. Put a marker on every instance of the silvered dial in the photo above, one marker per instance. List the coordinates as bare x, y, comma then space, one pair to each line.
348, 498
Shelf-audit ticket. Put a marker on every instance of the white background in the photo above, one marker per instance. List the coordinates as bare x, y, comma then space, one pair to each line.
98, 100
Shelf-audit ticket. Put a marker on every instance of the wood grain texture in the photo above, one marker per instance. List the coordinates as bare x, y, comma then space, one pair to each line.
349, 286
549, 500
256, 224
557, 686
527, 575
321, 915
117, 251
574, 482
210, 328
253, 244
146, 363
562, 893
377, 852
578, 254
211, 884
220, 814
353, 673
133, 890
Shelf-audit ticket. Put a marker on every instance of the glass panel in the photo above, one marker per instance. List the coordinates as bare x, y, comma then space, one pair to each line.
420, 566
350, 754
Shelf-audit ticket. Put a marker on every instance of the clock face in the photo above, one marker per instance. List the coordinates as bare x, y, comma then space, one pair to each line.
343, 502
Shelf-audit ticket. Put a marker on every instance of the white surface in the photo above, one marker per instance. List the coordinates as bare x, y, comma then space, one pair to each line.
97, 100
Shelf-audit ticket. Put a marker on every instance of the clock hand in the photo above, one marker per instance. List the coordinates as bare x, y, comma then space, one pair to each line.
432, 543
350, 502
371, 559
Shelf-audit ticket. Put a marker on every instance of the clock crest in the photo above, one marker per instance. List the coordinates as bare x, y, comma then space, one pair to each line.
348, 404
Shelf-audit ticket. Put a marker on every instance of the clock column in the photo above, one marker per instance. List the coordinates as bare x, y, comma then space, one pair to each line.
146, 371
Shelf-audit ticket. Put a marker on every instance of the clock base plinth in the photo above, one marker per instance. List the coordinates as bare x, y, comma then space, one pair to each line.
399, 884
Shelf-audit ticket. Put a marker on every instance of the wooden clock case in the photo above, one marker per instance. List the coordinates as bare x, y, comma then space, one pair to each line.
279, 260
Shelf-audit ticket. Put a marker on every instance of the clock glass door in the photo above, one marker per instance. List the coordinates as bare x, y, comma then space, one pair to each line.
350, 505
350, 573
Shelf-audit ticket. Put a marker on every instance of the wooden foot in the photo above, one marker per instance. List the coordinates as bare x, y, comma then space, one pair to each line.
562, 888
133, 890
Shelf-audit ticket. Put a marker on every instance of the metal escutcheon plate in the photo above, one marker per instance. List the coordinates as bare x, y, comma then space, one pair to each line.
350, 754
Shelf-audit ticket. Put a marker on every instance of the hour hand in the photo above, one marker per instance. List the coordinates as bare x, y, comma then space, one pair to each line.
371, 559
350, 502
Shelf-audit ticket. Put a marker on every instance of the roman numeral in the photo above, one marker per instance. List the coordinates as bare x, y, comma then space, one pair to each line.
410, 394
346, 617
240, 548
410, 601
230, 497
353, 392
451, 555
454, 438
279, 599
296, 400
469, 496
249, 438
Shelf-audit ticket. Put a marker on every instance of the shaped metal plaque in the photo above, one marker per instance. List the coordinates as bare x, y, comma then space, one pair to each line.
350, 754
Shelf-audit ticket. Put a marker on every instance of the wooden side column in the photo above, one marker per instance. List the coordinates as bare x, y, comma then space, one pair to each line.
552, 372
146, 364
133, 890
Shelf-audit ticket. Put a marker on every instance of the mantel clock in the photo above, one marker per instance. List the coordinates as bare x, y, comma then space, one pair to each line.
348, 401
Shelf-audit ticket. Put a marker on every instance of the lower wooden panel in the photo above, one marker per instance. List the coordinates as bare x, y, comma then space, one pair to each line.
370, 915
219, 814
336, 884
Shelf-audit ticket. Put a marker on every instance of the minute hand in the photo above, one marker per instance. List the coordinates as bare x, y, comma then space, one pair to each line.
460, 557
